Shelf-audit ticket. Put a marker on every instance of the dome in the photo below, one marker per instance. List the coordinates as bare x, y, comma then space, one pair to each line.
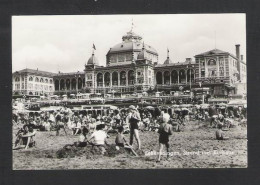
168, 61
92, 60
131, 46
131, 42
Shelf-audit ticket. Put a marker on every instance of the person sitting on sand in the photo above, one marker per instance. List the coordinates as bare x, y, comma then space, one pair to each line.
82, 138
165, 130
25, 139
99, 138
219, 133
120, 138
59, 124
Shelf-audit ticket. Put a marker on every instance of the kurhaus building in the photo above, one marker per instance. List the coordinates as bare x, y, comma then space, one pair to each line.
133, 66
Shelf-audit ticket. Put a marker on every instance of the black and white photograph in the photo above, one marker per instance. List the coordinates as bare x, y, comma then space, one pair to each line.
132, 91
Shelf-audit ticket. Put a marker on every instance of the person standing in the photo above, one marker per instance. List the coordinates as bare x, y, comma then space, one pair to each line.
133, 118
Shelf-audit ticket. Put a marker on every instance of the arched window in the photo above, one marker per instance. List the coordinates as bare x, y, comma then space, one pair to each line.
31, 78
182, 76
50, 81
36, 79
57, 85
99, 79
41, 80
174, 76
159, 77
107, 79
62, 84
131, 77
46, 81
122, 78
79, 83
17, 79
73, 84
115, 78
68, 84
166, 76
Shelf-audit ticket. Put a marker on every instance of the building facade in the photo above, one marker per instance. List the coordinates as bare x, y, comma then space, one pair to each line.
32, 82
132, 66
69, 83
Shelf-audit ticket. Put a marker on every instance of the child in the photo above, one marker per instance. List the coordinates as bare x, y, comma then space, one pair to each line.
219, 133
99, 138
82, 138
120, 138
165, 130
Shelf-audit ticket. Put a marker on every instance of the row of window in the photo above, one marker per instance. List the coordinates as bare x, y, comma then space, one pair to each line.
17, 79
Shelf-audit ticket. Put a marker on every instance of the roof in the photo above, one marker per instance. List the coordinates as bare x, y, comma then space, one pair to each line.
175, 64
215, 52
131, 42
131, 46
70, 73
36, 72
92, 60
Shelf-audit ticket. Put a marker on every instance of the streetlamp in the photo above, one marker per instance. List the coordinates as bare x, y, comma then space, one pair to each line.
189, 68
77, 82
134, 75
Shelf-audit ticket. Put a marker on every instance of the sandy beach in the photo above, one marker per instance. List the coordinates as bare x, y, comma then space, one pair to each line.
194, 147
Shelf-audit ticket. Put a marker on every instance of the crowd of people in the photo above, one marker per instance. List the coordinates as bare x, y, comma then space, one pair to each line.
94, 129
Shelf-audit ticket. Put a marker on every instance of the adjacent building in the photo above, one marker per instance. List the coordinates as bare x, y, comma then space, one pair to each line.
33, 82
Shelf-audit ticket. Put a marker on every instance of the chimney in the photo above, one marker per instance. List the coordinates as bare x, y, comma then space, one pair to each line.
188, 59
238, 59
242, 57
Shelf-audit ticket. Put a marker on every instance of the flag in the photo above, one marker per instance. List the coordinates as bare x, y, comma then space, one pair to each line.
94, 47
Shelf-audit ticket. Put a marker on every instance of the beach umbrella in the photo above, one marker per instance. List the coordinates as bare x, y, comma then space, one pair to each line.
175, 106
177, 110
113, 107
222, 104
184, 109
149, 108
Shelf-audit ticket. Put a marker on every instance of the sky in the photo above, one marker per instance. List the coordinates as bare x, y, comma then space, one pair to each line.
64, 43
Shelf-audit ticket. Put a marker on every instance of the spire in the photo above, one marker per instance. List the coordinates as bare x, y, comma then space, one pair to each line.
94, 48
132, 26
143, 46
168, 60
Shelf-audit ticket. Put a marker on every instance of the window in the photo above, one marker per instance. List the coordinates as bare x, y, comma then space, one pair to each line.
46, 80
17, 79
89, 77
50, 81
202, 73
36, 79
31, 78
41, 80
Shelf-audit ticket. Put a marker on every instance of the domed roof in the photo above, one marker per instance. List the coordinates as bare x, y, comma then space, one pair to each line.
168, 61
92, 60
131, 42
